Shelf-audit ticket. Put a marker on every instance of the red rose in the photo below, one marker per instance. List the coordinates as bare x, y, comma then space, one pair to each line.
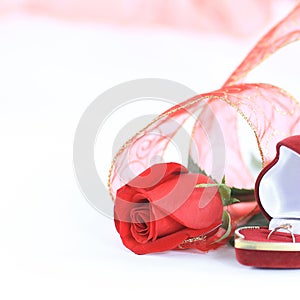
161, 209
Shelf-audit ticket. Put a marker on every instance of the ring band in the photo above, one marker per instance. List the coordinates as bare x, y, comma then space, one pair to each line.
286, 227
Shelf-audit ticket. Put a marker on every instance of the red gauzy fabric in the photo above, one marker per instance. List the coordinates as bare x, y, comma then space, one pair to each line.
271, 113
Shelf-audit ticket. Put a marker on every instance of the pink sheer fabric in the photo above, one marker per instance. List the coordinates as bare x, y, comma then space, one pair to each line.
271, 113
225, 16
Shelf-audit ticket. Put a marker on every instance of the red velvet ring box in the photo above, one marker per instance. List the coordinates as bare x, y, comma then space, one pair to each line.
277, 191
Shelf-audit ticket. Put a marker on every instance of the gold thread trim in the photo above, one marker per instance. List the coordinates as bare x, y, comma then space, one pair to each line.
199, 238
169, 112
241, 243
188, 104
250, 124
125, 145
239, 74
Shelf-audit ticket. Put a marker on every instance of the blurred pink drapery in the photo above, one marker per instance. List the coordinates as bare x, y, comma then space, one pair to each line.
239, 18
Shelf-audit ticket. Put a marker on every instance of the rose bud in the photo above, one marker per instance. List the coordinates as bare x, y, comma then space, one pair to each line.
162, 209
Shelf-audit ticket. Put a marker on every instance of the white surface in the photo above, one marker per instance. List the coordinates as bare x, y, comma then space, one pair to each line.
53, 244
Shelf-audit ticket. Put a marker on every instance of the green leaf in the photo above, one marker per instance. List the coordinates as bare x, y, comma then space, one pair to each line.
235, 200
244, 195
223, 179
236, 191
229, 195
205, 185
227, 224
225, 193
224, 190
194, 168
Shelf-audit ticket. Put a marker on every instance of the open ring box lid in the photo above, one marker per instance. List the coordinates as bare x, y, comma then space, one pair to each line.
277, 193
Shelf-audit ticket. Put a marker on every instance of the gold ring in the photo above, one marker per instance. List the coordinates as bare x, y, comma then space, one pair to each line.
286, 227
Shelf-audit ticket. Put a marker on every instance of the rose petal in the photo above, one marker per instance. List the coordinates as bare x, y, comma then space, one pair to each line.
179, 199
156, 175
160, 217
141, 227
165, 226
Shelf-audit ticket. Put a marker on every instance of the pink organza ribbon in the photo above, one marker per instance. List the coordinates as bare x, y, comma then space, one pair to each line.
271, 113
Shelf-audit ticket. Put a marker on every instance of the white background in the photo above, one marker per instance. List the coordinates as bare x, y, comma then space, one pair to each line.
53, 244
